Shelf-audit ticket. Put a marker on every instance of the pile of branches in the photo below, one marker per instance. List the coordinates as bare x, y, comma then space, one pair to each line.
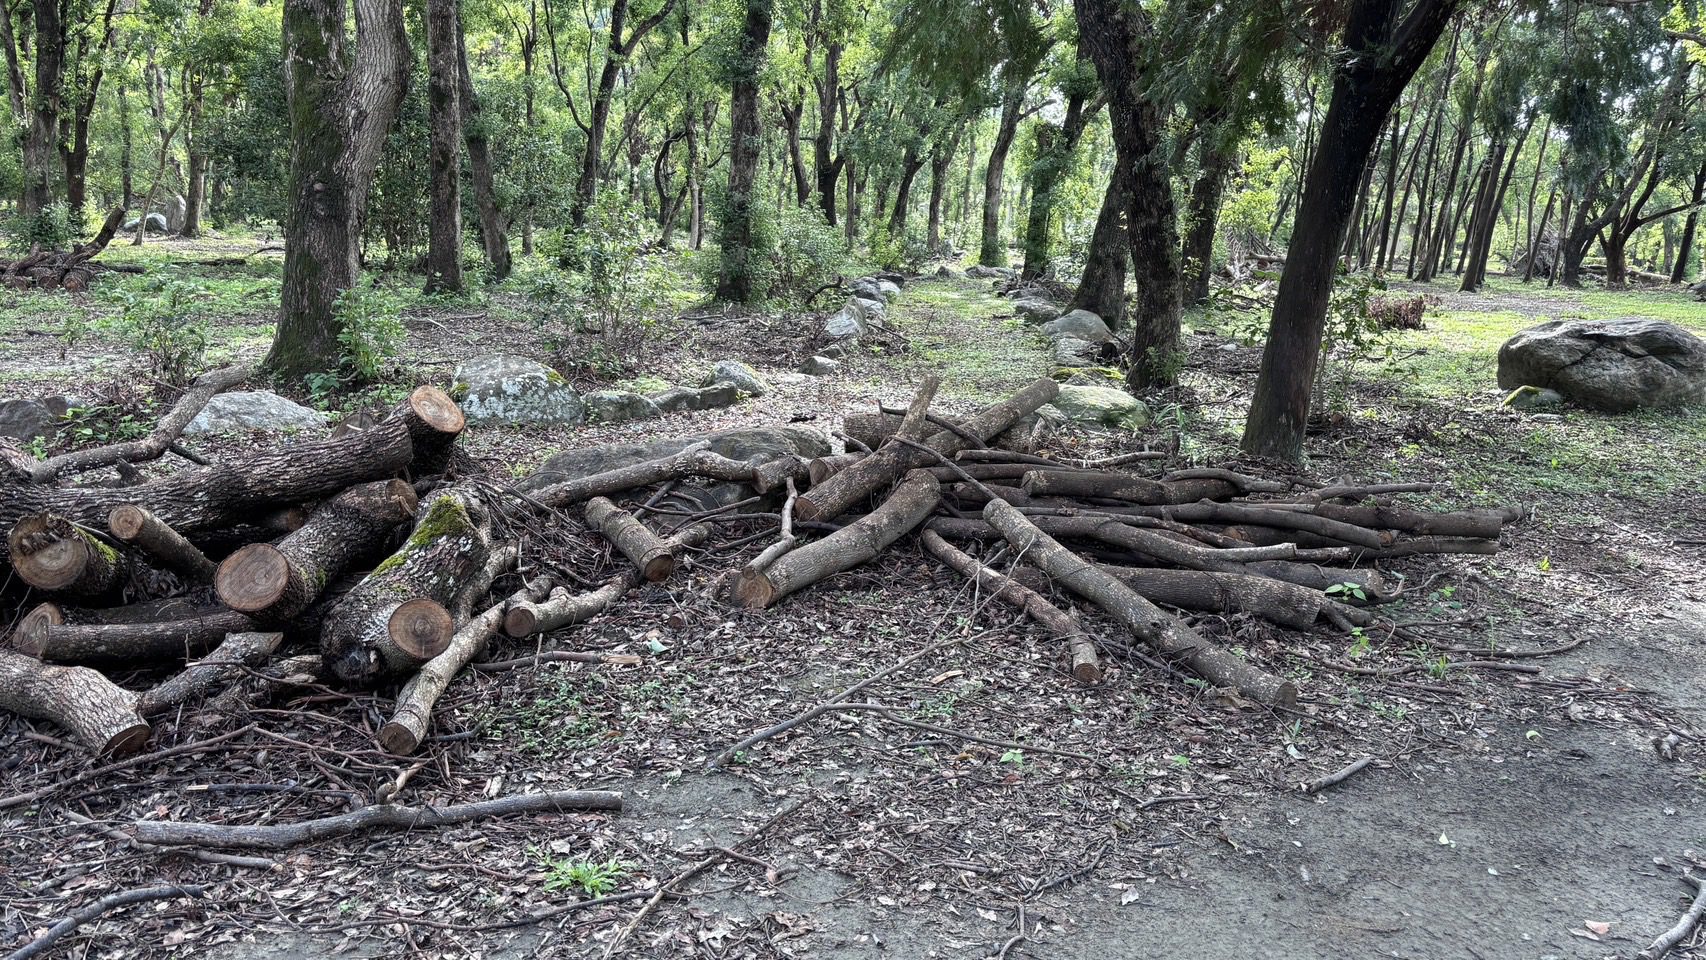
374, 558
70, 270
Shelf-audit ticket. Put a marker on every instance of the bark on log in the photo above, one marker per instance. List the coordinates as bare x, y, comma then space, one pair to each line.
863, 479
1124, 487
51, 553
1177, 642
101, 714
1483, 524
846, 548
164, 434
1086, 667
871, 429
281, 836
225, 664
692, 462
144, 643
273, 583
209, 498
821, 469
524, 617
399, 617
654, 556
138, 528
51, 614
1286, 604
1322, 526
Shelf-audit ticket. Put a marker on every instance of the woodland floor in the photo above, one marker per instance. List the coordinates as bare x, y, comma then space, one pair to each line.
1506, 813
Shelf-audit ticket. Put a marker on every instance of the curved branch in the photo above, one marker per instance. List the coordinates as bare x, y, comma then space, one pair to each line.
154, 445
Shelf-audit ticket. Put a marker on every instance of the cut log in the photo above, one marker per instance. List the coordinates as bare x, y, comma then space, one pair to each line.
1286, 604
164, 434
50, 614
142, 643
692, 462
210, 498
1081, 649
273, 583
822, 468
1123, 486
398, 617
871, 429
1482, 524
99, 713
1175, 641
860, 481
140, 529
654, 556
846, 548
219, 668
51, 553
1321, 526
281, 836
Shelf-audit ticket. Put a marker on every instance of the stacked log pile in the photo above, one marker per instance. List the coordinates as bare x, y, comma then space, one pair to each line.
369, 560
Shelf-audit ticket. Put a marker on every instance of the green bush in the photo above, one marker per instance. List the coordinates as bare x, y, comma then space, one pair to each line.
370, 330
904, 252
809, 254
608, 280
51, 229
156, 319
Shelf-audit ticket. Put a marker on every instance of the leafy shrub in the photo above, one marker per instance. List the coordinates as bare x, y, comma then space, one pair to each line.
904, 252
608, 281
370, 329
809, 254
1352, 335
51, 229
156, 319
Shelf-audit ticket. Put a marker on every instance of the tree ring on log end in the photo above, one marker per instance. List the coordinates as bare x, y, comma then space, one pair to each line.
435, 407
47, 552
253, 578
421, 628
126, 521
127, 741
30, 637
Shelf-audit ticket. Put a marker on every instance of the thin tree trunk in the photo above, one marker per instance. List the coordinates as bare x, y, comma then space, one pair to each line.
1101, 290
991, 251
444, 142
735, 281
1685, 246
493, 224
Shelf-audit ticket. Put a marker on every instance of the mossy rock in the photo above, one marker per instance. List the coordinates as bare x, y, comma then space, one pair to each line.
1092, 406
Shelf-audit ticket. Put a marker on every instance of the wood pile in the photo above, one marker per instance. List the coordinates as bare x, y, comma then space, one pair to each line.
372, 559
70, 270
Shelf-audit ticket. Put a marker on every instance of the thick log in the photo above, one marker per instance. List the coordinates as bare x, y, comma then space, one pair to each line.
846, 548
99, 713
869, 476
692, 462
654, 556
1482, 524
51, 614
51, 553
138, 528
210, 498
142, 643
273, 583
281, 836
1086, 667
398, 617
164, 434
1322, 526
1175, 641
226, 663
1286, 604
822, 468
871, 429
1125, 487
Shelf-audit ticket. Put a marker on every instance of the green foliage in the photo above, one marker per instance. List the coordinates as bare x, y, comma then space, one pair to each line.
49, 229
905, 252
370, 330
809, 253
609, 280
587, 876
1353, 335
158, 320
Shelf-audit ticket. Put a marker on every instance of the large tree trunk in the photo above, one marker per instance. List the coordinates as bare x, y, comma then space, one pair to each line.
1216, 160
444, 142
1102, 288
734, 281
340, 110
823, 145
941, 158
1053, 161
1383, 55
493, 224
910, 164
46, 102
1685, 245
1114, 34
992, 251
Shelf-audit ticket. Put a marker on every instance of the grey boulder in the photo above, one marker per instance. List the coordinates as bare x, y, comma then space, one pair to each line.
502, 389
738, 375
254, 410
850, 322
28, 419
1089, 406
618, 406
981, 272
1081, 324
1610, 365
818, 366
1073, 352
1035, 311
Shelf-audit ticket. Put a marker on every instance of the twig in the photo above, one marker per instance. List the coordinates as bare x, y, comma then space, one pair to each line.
784, 541
1691, 919
99, 908
1336, 777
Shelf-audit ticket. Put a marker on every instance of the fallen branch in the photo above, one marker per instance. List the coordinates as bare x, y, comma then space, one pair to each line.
228, 661
165, 433
282, 836
138, 528
101, 908
101, 714
1690, 919
1335, 778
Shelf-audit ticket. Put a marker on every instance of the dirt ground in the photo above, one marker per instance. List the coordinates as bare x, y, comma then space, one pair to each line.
1510, 811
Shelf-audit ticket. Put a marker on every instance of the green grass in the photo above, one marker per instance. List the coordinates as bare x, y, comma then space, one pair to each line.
949, 325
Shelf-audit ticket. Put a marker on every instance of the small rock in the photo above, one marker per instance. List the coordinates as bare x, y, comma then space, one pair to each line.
1073, 352
1534, 398
1091, 406
742, 377
1035, 311
253, 410
1081, 324
514, 390
948, 273
156, 224
848, 322
876, 311
890, 276
820, 366
704, 398
834, 351
619, 406
26, 419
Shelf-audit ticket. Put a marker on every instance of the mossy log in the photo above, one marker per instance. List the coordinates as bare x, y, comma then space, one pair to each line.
274, 582
1177, 642
398, 617
54, 554
99, 713
869, 476
856, 543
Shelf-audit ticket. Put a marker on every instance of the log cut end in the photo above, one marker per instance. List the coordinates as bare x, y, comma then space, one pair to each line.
435, 408
51, 553
127, 740
521, 620
755, 592
421, 628
658, 568
398, 739
126, 521
31, 635
254, 578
